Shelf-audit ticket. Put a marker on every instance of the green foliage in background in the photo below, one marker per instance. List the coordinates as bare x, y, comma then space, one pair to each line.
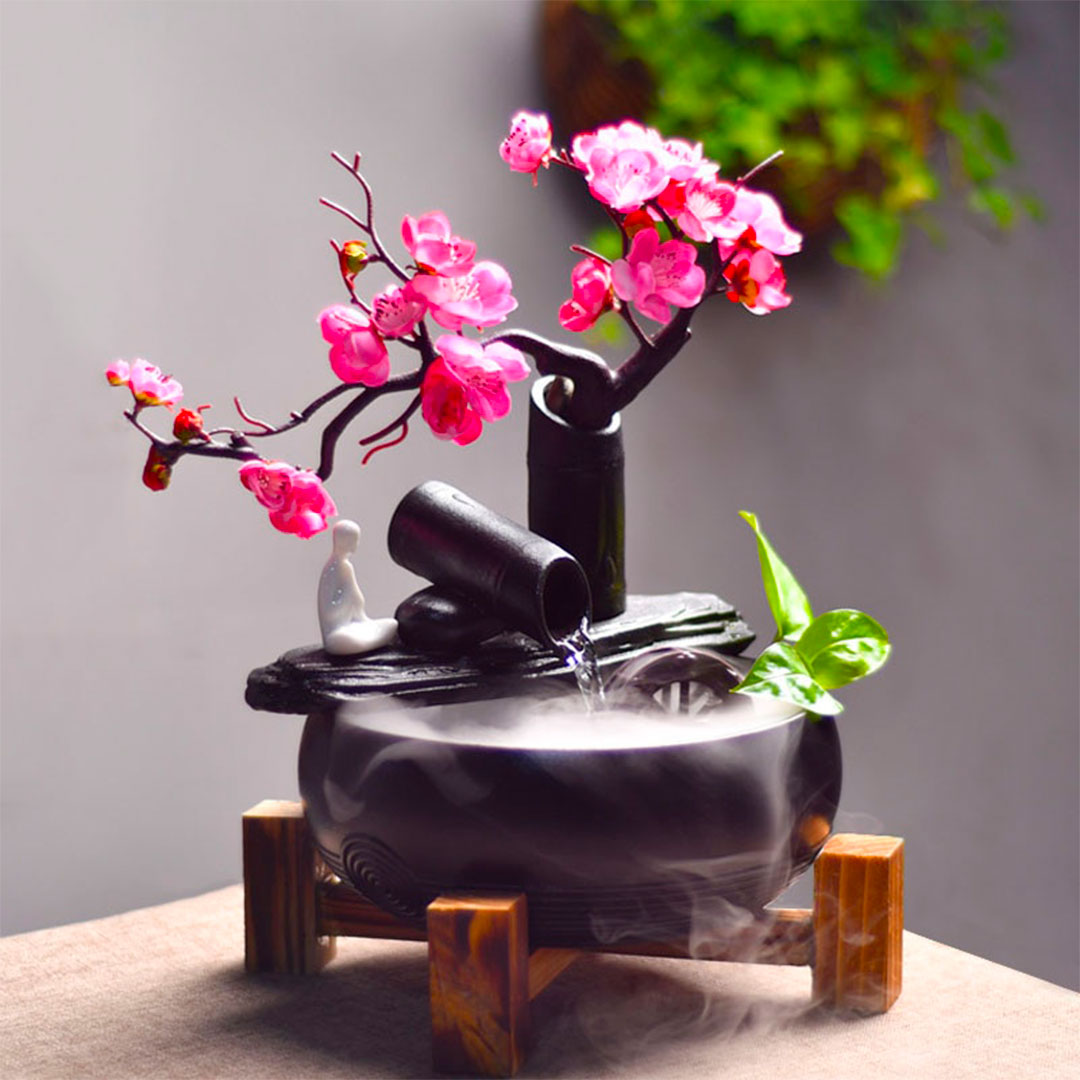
853, 91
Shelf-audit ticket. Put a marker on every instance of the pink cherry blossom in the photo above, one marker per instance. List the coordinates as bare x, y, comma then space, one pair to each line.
707, 202
654, 275
432, 243
483, 371
146, 382
397, 310
685, 161
624, 166
528, 146
591, 295
761, 212
756, 280
479, 298
445, 407
357, 352
297, 501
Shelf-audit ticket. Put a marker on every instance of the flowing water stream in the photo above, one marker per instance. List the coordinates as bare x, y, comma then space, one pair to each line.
579, 655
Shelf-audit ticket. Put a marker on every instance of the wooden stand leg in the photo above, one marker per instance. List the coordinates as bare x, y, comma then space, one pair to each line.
280, 906
859, 922
478, 951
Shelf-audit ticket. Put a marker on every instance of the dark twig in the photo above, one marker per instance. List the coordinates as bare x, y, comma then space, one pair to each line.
336, 428
267, 428
628, 318
649, 360
354, 170
386, 445
580, 249
345, 213
132, 417
759, 166
401, 421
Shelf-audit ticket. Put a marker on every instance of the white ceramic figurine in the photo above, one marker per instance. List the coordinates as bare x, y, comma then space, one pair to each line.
346, 629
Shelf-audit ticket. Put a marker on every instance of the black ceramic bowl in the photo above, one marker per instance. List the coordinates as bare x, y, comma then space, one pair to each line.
634, 823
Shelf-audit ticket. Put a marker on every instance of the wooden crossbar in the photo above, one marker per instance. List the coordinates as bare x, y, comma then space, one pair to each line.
483, 973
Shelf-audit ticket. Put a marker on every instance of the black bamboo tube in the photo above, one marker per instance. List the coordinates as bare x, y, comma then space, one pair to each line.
453, 541
576, 497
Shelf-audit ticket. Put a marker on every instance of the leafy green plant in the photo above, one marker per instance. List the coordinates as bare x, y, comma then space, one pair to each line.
853, 90
809, 656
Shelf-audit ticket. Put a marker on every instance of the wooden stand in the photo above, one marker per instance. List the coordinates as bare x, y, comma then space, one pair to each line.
483, 974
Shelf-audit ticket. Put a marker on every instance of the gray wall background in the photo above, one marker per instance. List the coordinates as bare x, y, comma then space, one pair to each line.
912, 450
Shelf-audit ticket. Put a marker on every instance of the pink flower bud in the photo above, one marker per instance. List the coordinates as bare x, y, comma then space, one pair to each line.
591, 295
118, 373
528, 146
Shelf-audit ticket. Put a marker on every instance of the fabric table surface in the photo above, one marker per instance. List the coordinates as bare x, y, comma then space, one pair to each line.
162, 992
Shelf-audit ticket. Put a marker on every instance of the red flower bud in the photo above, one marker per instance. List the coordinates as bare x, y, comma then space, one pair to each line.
353, 258
157, 472
188, 424
640, 219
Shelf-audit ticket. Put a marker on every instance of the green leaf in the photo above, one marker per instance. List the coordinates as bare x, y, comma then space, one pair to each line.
842, 646
1033, 206
787, 601
996, 137
996, 202
780, 673
874, 235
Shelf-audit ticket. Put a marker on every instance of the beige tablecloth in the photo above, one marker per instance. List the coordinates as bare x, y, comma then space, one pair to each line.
162, 993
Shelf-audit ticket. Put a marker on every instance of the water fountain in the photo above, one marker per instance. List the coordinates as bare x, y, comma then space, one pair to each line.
528, 761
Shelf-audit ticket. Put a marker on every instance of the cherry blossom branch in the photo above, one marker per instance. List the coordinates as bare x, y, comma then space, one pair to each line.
653, 356
353, 170
266, 428
650, 359
628, 318
674, 229
132, 417
401, 421
410, 381
295, 418
581, 249
386, 445
592, 378
759, 166
238, 450
338, 208
171, 451
336, 428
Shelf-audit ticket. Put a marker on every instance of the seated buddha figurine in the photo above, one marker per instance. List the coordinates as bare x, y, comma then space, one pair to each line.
346, 628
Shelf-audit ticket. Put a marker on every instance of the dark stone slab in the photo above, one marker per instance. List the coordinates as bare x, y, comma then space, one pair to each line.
307, 680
